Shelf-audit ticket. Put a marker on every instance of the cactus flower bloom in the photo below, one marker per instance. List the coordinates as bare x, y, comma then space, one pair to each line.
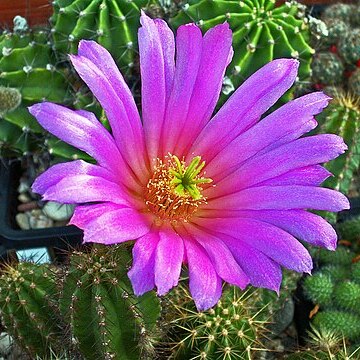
226, 195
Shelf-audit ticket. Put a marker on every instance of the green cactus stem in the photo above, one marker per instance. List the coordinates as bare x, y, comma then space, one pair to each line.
107, 320
341, 117
261, 32
319, 288
354, 82
112, 23
28, 305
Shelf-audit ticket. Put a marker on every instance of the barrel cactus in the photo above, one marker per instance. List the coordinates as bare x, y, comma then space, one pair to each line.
261, 32
106, 319
327, 69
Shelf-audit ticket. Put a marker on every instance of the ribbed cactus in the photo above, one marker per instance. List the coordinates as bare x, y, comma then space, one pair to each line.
28, 71
261, 32
29, 308
319, 288
112, 23
107, 320
230, 330
342, 117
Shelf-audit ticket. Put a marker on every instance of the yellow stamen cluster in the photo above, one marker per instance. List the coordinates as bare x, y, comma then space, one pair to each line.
174, 190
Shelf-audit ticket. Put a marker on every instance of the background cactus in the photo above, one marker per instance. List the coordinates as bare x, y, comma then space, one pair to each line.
106, 319
29, 308
261, 32
327, 68
342, 117
28, 67
113, 24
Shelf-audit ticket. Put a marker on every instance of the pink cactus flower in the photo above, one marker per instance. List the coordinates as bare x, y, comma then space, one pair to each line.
226, 195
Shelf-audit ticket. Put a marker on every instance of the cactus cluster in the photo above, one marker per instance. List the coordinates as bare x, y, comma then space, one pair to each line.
339, 48
335, 289
261, 32
113, 24
87, 308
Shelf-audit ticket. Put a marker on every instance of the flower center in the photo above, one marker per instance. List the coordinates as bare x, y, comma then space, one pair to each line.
174, 190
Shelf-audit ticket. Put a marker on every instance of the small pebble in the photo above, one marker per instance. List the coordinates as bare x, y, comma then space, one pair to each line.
58, 212
24, 198
23, 221
38, 220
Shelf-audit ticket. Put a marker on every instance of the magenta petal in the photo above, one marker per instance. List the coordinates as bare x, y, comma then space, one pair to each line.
262, 271
60, 171
127, 131
282, 198
85, 133
156, 77
215, 54
244, 108
312, 175
299, 223
168, 260
77, 189
188, 56
102, 59
221, 257
141, 273
285, 124
204, 283
109, 223
311, 150
270, 240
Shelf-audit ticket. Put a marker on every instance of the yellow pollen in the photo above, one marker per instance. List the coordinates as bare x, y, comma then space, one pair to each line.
174, 190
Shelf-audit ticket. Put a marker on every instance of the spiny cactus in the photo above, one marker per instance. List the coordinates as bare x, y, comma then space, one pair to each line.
230, 330
261, 32
342, 117
325, 344
112, 23
327, 69
107, 320
354, 82
28, 67
319, 288
350, 228
29, 309
339, 11
349, 46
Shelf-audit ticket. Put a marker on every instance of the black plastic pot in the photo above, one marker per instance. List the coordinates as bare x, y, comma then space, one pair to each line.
11, 236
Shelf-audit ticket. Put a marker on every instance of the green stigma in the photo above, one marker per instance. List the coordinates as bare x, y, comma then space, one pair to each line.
186, 180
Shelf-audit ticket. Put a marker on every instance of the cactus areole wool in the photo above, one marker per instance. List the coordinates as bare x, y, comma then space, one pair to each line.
226, 194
